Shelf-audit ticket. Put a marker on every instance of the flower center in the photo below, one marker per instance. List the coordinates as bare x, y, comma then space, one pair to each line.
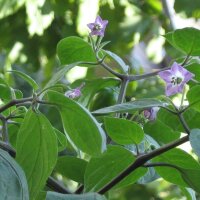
176, 80
97, 27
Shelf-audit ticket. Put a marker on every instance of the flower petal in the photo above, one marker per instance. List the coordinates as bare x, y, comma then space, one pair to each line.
166, 75
171, 89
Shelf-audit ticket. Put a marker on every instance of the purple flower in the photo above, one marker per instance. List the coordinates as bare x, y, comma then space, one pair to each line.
151, 113
72, 94
98, 27
175, 78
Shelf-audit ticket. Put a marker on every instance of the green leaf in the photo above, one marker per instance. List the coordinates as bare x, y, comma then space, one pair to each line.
80, 126
188, 193
195, 140
91, 87
74, 49
86, 196
27, 78
186, 40
123, 131
62, 140
59, 75
71, 167
195, 69
36, 150
118, 60
154, 130
184, 162
13, 184
194, 97
131, 106
101, 170
5, 93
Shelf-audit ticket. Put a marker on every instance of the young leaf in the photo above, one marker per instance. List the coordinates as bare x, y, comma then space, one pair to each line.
86, 196
101, 170
5, 93
74, 49
27, 78
80, 126
119, 61
13, 184
62, 140
36, 150
71, 167
186, 40
123, 131
195, 140
131, 106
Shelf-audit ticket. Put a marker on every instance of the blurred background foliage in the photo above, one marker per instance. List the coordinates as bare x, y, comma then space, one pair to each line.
31, 29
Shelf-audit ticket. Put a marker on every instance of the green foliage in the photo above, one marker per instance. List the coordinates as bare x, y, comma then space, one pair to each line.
12, 179
194, 98
123, 131
74, 49
71, 167
87, 196
131, 106
36, 150
186, 40
194, 140
98, 175
80, 126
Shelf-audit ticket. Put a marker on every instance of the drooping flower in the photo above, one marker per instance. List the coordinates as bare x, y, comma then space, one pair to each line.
98, 27
151, 113
72, 94
175, 78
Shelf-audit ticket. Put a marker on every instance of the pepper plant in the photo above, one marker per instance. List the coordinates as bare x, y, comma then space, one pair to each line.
106, 148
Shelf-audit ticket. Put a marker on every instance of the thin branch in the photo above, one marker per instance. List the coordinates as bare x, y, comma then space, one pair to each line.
141, 160
160, 164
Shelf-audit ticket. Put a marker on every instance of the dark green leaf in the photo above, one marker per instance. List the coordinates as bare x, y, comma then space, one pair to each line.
194, 97
27, 78
160, 132
123, 131
195, 140
71, 167
186, 40
86, 196
80, 126
115, 160
13, 183
195, 69
184, 162
119, 61
74, 49
132, 106
36, 150
62, 140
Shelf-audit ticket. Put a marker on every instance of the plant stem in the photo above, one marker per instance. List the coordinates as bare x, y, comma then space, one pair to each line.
122, 91
183, 122
141, 160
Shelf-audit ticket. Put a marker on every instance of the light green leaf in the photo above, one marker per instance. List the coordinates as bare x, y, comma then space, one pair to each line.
123, 131
186, 40
27, 78
5, 93
80, 126
131, 106
36, 150
13, 184
101, 170
71, 167
195, 140
86, 196
74, 49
